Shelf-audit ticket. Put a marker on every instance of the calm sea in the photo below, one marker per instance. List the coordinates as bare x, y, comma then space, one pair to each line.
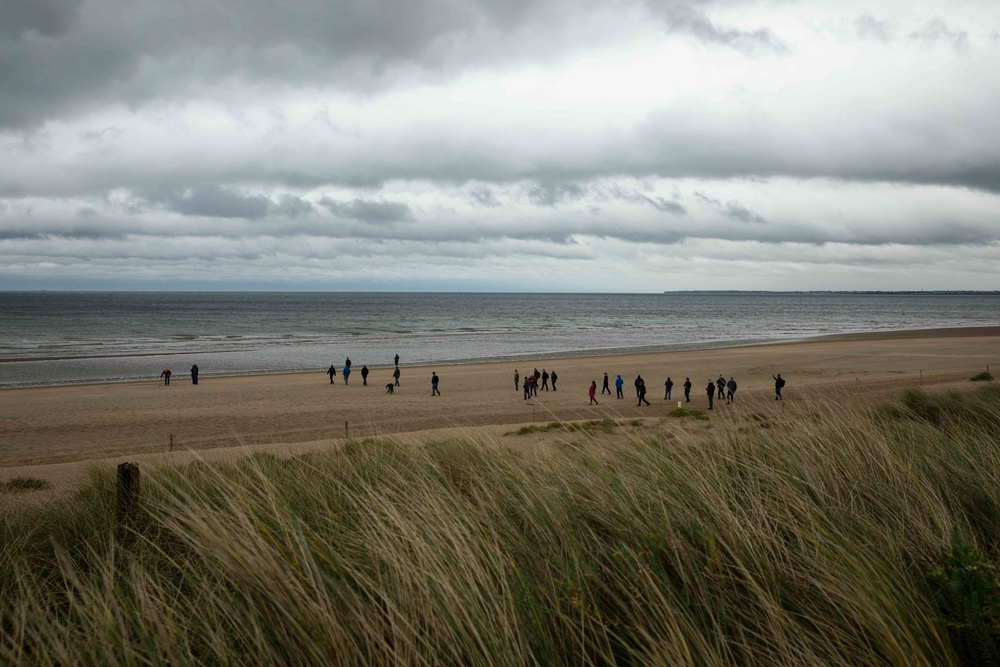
73, 337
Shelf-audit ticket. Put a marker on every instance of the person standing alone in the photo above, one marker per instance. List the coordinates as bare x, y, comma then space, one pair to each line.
332, 372
669, 384
194, 374
687, 389
605, 387
364, 375
395, 376
778, 384
166, 377
434, 384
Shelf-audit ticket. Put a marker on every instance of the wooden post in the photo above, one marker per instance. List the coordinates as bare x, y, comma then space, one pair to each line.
347, 432
171, 442
127, 499
921, 377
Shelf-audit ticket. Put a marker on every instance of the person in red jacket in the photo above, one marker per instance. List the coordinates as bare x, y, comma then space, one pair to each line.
166, 377
593, 392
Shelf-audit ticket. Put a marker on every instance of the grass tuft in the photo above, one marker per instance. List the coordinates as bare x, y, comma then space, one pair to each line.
21, 484
684, 412
985, 376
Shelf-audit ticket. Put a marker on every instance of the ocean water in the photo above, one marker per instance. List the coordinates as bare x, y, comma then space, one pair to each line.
49, 338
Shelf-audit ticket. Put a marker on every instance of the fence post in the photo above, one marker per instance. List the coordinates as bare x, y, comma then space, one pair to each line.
127, 498
347, 432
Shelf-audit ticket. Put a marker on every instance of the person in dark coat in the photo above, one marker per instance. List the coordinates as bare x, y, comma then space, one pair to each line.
721, 384
638, 381
593, 392
553, 377
364, 375
731, 390
526, 386
395, 362
166, 377
545, 379
642, 393
669, 384
605, 388
778, 384
347, 363
434, 384
332, 372
533, 381
194, 374
687, 389
710, 389
395, 376
517, 378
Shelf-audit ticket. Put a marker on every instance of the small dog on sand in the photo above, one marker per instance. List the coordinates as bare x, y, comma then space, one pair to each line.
389, 389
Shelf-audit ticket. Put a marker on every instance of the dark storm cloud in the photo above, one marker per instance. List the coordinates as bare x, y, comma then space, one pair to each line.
892, 145
61, 58
42, 17
109, 51
687, 18
374, 212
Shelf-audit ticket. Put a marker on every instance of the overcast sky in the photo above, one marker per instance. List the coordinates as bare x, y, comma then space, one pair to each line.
587, 145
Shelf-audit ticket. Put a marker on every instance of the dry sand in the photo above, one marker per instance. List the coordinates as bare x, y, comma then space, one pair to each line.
56, 433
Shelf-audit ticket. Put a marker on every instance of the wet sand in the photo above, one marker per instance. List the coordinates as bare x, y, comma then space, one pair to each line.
54, 431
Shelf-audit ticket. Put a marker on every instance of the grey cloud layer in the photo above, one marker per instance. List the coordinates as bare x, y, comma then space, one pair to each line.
61, 57
138, 135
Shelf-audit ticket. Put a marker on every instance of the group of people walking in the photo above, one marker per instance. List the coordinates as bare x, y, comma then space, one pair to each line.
721, 388
533, 380
716, 389
390, 388
365, 372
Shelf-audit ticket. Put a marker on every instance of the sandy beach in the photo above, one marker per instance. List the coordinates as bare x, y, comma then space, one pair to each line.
54, 432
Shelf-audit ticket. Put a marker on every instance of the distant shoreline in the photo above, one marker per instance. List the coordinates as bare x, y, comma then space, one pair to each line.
909, 334
70, 427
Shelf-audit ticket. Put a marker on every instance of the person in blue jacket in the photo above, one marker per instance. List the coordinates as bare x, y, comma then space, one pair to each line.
619, 383
346, 373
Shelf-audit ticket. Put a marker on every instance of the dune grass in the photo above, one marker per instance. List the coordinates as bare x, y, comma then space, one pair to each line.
864, 539
18, 484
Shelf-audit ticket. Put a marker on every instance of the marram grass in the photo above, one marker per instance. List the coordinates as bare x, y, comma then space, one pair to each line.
864, 539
